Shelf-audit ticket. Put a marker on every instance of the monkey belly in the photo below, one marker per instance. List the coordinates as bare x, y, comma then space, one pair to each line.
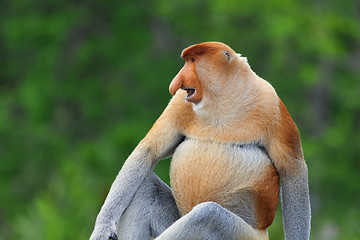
240, 178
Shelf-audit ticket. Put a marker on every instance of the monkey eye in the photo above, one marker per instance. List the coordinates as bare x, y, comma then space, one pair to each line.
227, 54
193, 59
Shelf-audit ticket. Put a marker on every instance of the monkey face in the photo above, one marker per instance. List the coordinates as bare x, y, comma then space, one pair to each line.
205, 63
188, 80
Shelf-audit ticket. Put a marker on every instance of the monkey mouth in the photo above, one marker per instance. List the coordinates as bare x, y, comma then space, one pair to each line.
190, 92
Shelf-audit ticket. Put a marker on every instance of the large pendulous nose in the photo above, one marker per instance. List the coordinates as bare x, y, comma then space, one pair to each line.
176, 83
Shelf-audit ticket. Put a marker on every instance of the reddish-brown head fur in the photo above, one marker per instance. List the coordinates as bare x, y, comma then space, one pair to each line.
203, 49
187, 78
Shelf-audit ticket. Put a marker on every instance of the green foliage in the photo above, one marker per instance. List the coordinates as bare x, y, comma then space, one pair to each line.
82, 82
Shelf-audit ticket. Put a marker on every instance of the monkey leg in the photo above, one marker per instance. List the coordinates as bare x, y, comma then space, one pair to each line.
211, 221
152, 210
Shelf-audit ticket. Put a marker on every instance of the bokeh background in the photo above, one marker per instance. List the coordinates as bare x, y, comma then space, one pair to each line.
81, 82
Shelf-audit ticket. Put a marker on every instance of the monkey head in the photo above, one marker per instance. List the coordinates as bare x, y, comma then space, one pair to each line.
205, 66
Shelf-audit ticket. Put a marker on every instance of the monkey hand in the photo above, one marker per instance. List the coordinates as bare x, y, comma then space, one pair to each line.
104, 232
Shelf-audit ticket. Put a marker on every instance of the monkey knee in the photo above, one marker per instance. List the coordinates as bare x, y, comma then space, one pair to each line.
206, 206
208, 210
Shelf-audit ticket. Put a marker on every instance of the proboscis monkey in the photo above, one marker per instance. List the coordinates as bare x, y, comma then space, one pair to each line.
232, 140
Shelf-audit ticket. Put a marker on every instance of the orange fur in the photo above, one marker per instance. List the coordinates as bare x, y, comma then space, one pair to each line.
267, 197
187, 78
201, 49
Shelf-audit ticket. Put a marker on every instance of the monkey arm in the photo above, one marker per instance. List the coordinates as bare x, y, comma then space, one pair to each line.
285, 151
130, 177
295, 203
295, 200
158, 143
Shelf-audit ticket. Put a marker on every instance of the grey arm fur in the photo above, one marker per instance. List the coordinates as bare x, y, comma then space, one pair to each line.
155, 146
132, 174
295, 204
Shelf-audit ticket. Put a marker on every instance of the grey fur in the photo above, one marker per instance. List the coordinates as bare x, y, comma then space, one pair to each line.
136, 168
153, 213
210, 221
295, 203
152, 210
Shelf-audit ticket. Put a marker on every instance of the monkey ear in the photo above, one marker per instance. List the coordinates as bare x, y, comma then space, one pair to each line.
227, 54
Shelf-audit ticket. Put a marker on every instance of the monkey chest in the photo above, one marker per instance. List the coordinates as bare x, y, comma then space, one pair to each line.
233, 176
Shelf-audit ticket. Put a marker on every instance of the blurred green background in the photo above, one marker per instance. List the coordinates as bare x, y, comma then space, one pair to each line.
81, 82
